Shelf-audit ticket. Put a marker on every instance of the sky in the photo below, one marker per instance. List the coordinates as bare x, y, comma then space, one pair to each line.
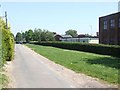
57, 16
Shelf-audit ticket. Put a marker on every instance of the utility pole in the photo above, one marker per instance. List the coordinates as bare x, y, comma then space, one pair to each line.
6, 19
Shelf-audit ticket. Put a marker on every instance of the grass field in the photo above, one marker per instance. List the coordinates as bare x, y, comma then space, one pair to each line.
99, 66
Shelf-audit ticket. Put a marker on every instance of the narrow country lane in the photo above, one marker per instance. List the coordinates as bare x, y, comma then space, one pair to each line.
28, 72
31, 70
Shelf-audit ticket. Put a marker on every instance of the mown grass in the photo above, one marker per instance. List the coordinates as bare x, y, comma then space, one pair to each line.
100, 66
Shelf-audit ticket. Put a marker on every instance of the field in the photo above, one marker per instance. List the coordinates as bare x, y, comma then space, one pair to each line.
99, 66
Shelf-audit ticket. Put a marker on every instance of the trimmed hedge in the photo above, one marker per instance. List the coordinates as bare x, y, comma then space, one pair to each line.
111, 50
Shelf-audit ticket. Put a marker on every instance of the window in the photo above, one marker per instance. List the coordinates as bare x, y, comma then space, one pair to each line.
112, 23
105, 24
119, 23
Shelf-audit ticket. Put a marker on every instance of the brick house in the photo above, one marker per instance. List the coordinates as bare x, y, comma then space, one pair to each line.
109, 29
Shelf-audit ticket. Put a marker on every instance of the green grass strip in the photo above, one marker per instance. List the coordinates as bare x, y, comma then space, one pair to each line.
99, 66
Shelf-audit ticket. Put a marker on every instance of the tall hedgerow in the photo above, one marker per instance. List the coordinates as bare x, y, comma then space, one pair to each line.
6, 42
6, 49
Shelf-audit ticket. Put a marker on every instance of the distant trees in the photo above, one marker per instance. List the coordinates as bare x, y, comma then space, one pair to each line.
71, 32
18, 37
36, 35
29, 35
47, 36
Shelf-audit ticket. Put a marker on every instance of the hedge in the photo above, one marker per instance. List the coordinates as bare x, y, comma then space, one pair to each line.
112, 50
6, 43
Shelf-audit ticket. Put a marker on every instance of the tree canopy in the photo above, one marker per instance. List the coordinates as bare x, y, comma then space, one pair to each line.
18, 37
36, 35
71, 32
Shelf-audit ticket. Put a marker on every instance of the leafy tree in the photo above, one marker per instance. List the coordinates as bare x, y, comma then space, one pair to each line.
50, 36
29, 35
18, 37
71, 32
43, 35
23, 37
47, 36
26, 36
37, 35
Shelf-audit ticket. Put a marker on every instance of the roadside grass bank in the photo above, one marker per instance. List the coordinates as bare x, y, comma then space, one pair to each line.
3, 81
99, 66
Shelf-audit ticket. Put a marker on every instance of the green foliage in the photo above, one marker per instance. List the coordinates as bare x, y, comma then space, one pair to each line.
71, 32
100, 66
29, 35
7, 42
47, 36
93, 48
6, 49
3, 81
18, 37
36, 35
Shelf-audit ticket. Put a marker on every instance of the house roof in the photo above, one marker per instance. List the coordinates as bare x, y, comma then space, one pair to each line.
66, 36
110, 15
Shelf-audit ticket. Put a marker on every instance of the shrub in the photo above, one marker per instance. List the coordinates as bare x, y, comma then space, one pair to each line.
7, 42
92, 48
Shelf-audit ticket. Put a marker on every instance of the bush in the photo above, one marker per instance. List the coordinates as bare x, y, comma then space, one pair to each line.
92, 48
7, 42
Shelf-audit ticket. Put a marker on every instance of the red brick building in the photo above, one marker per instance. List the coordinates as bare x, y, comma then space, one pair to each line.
109, 29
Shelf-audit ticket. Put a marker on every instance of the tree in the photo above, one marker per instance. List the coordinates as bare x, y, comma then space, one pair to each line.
26, 36
29, 35
37, 35
18, 37
23, 37
50, 36
71, 32
43, 36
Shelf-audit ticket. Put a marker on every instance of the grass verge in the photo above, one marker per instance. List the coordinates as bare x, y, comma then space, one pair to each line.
100, 66
3, 80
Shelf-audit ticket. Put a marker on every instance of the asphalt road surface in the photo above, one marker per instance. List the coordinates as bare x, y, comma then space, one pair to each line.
28, 72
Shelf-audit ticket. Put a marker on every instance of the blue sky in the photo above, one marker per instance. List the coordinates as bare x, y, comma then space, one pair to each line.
57, 17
